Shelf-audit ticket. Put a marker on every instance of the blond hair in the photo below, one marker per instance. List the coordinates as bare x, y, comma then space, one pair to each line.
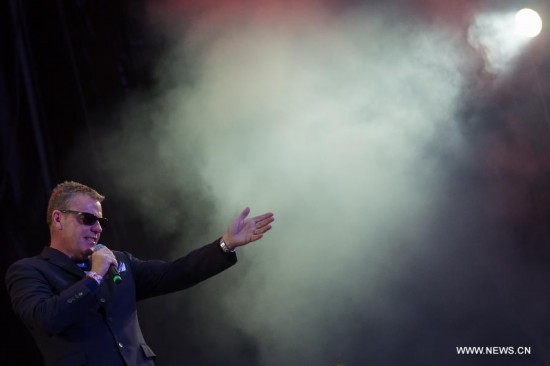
64, 192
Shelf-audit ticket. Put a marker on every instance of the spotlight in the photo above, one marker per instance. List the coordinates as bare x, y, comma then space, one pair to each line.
528, 23
500, 37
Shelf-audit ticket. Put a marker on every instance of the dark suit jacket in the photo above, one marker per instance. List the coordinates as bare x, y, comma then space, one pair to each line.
75, 321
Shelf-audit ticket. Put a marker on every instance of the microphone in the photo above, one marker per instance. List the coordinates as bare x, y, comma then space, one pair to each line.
113, 271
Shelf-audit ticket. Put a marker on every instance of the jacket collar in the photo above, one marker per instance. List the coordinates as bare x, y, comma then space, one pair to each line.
56, 257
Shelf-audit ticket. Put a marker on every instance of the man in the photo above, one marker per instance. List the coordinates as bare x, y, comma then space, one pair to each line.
67, 296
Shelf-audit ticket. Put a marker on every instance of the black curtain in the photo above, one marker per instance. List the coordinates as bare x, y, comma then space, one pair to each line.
62, 65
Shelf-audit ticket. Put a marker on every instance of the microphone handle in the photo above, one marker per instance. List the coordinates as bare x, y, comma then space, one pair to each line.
114, 274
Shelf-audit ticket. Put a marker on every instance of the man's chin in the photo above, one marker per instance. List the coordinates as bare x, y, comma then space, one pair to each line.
88, 252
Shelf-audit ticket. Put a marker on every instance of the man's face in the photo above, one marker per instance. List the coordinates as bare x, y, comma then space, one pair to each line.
72, 237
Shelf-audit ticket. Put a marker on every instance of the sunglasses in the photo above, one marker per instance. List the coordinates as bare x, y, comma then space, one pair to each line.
86, 218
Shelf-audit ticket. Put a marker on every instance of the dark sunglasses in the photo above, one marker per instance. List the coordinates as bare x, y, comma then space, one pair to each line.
86, 218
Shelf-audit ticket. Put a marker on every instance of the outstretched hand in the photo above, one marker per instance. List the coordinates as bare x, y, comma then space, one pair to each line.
242, 231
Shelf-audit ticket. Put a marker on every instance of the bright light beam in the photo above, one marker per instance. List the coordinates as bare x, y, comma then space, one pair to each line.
500, 37
528, 23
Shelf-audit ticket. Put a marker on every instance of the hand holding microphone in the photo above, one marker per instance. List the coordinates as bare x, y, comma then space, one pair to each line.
103, 261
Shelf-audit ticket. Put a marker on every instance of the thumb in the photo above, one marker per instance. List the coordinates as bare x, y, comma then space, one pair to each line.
244, 213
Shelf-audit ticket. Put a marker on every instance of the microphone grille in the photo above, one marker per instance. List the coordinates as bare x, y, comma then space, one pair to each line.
98, 247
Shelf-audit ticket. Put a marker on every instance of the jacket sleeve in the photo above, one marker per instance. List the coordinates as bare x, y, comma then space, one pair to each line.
35, 299
154, 278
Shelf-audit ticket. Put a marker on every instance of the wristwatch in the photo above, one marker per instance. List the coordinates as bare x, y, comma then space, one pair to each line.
225, 248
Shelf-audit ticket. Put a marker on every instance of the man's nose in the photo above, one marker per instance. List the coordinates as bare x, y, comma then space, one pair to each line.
96, 227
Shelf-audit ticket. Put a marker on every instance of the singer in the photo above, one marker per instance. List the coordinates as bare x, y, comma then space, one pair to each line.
68, 298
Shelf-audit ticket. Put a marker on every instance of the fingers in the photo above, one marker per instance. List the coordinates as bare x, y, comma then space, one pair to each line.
262, 230
260, 225
258, 218
108, 255
102, 259
265, 221
262, 217
259, 233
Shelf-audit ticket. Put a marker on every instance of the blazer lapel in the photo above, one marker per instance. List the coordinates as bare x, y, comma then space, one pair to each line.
54, 256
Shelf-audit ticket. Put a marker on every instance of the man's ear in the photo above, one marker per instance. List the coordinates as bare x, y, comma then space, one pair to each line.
56, 220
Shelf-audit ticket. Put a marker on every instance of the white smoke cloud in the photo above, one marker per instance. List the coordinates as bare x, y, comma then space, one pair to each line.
331, 122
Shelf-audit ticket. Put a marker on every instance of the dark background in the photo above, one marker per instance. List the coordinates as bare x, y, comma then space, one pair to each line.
65, 64
62, 65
